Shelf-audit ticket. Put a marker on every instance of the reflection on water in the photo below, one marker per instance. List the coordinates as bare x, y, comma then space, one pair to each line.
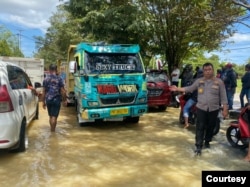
156, 152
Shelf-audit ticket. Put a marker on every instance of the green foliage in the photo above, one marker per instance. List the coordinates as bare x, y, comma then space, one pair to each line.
5, 49
239, 85
178, 27
9, 43
63, 31
177, 30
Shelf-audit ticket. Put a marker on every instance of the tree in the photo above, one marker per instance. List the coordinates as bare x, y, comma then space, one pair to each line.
178, 27
9, 43
242, 3
114, 22
111, 21
4, 48
176, 30
170, 28
62, 32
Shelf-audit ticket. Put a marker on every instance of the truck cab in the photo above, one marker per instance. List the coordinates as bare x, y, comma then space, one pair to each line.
109, 82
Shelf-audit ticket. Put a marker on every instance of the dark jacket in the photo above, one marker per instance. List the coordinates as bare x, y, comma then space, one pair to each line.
245, 79
186, 77
230, 79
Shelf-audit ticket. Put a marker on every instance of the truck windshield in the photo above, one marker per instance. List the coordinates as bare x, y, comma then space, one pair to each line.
110, 63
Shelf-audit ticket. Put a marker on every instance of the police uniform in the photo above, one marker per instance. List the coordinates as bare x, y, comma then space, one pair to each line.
211, 94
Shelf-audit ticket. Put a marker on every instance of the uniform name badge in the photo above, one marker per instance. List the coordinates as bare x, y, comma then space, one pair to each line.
200, 90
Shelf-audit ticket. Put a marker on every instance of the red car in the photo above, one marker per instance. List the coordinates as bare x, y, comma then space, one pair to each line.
158, 84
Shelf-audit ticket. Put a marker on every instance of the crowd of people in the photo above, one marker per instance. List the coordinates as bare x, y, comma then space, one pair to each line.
210, 91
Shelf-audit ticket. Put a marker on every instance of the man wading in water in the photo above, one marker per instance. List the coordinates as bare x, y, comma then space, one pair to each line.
53, 94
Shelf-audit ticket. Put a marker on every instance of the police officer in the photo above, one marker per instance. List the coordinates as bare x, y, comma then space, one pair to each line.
211, 95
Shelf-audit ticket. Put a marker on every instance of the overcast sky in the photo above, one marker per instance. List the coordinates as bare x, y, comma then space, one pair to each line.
29, 18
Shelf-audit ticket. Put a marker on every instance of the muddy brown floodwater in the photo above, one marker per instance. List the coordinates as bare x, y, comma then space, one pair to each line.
156, 152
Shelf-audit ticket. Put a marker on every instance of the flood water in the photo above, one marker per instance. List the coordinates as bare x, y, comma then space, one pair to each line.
156, 152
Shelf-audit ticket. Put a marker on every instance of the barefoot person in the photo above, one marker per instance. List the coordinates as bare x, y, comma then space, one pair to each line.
53, 94
211, 95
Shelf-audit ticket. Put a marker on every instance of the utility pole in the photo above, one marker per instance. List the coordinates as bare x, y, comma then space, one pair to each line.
19, 39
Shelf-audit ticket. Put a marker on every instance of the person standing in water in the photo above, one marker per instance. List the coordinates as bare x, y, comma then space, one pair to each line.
211, 96
53, 93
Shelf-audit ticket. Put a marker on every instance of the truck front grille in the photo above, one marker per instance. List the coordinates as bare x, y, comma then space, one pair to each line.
117, 101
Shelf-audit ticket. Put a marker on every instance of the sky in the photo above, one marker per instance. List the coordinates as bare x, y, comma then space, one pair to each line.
237, 48
26, 19
29, 18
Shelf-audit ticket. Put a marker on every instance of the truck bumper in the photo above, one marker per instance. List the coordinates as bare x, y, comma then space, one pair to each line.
114, 112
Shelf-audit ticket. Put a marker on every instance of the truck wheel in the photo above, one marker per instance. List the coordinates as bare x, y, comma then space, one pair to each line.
132, 119
85, 124
76, 107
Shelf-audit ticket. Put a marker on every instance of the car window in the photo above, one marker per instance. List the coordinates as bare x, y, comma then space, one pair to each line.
18, 78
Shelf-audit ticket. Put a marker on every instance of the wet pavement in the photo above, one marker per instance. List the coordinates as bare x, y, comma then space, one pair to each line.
156, 152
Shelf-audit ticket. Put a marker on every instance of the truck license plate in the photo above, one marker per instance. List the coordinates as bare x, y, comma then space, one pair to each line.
119, 111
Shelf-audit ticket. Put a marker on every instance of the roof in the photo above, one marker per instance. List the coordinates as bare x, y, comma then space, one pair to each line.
109, 48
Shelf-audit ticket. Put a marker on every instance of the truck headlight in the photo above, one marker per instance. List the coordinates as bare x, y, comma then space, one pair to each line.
92, 103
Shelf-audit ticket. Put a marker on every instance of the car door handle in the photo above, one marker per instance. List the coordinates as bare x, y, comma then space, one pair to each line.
25, 95
20, 100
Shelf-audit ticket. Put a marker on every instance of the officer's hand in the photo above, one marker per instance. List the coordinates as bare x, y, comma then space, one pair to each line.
173, 88
225, 113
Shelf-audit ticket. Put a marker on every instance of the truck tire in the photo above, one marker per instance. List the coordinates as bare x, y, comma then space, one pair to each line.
132, 119
76, 107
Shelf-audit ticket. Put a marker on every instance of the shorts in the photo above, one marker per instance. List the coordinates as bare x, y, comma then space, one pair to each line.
53, 107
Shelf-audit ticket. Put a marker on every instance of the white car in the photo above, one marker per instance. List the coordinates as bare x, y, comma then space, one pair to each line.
19, 105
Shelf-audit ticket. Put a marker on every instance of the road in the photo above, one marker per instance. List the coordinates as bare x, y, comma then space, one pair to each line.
156, 152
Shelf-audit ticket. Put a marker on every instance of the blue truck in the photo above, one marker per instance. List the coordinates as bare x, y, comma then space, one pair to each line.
108, 82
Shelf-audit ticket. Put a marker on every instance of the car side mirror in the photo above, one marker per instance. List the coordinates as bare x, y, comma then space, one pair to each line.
38, 85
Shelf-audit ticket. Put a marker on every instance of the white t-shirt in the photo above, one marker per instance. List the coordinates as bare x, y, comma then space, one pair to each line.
176, 77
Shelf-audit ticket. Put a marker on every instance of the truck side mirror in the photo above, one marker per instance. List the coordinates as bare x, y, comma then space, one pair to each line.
72, 66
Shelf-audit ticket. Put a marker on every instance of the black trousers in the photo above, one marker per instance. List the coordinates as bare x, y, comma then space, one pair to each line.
205, 126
